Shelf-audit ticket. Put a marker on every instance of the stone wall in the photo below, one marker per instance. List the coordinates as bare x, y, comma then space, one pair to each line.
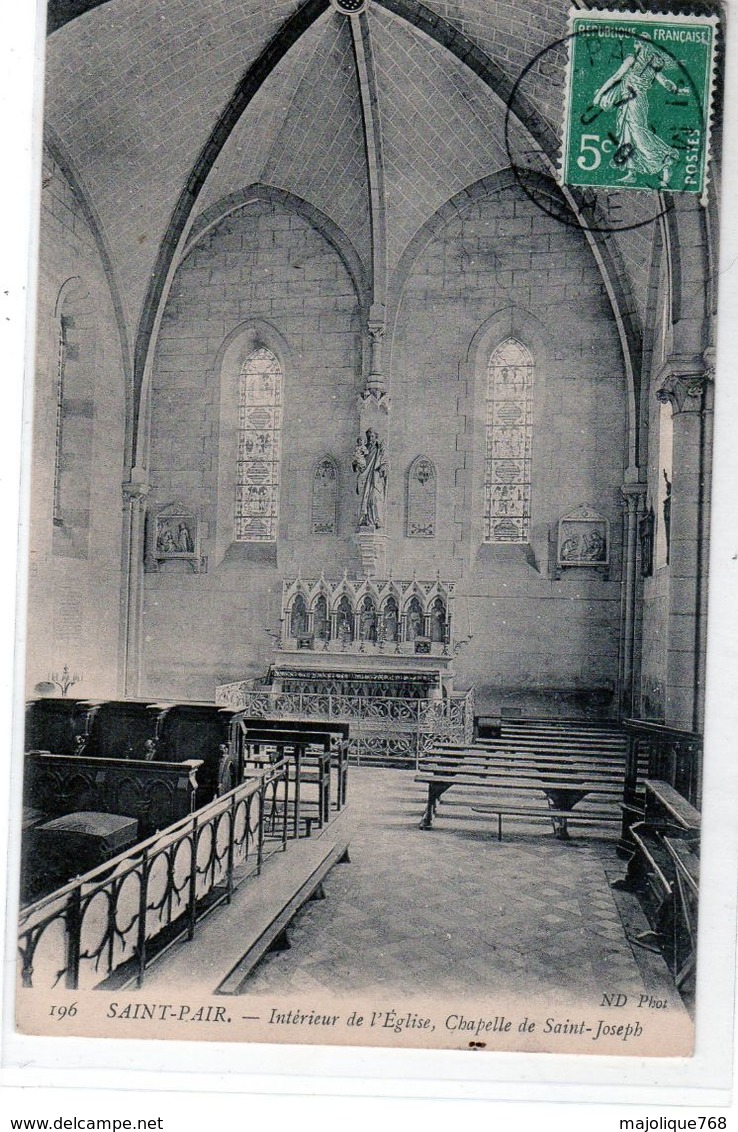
501, 266
263, 276
75, 556
496, 267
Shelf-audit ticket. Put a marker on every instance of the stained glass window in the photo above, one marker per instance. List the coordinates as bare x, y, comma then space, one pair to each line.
259, 448
61, 362
508, 440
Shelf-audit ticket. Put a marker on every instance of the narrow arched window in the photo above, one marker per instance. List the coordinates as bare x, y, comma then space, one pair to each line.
421, 499
325, 497
508, 443
75, 380
259, 448
60, 367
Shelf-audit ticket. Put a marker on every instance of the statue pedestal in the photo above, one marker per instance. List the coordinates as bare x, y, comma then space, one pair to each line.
373, 553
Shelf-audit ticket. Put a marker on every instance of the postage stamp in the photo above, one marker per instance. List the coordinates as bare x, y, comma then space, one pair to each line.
638, 101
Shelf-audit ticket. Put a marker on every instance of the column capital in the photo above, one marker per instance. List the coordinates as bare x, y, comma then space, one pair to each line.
682, 381
633, 495
135, 490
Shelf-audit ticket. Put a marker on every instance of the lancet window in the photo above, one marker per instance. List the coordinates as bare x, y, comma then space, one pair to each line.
259, 448
508, 443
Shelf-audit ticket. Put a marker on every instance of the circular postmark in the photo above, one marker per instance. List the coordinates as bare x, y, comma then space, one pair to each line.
631, 102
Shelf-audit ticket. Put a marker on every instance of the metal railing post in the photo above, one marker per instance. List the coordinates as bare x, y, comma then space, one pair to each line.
231, 839
143, 899
192, 900
74, 932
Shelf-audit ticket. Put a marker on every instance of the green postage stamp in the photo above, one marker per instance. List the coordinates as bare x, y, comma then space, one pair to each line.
638, 101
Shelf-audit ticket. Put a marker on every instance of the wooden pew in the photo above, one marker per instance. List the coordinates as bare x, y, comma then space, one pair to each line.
140, 729
58, 725
664, 872
338, 731
155, 795
200, 731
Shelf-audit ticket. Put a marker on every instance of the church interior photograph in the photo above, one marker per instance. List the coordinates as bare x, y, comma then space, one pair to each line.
369, 523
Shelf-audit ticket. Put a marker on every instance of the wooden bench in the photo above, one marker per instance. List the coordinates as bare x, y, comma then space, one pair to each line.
273, 911
560, 754
523, 768
562, 792
538, 813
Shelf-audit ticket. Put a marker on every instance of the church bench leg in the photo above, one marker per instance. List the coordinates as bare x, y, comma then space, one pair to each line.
435, 790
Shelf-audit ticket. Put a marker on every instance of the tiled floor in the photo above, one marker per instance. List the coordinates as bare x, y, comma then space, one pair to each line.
452, 908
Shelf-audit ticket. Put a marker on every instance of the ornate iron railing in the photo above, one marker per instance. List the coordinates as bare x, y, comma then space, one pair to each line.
382, 727
118, 913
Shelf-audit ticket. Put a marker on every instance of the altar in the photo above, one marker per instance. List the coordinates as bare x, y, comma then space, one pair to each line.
377, 654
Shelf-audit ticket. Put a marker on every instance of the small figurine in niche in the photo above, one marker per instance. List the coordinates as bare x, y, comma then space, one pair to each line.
414, 622
368, 623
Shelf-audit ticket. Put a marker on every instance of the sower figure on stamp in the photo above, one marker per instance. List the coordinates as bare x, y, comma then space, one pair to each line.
639, 149
370, 466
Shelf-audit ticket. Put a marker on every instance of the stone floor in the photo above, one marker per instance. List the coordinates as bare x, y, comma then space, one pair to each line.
453, 909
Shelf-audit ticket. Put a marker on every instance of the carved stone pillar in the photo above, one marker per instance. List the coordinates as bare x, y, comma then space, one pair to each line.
686, 386
633, 497
376, 382
374, 405
135, 494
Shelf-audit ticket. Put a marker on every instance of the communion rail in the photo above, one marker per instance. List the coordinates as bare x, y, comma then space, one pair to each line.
127, 910
384, 729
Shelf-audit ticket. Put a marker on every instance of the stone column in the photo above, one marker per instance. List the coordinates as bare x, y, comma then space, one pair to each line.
633, 496
684, 384
135, 494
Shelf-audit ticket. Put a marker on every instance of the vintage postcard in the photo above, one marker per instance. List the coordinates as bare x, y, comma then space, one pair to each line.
370, 491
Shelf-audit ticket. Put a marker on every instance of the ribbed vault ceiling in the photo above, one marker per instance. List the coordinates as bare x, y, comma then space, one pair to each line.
135, 89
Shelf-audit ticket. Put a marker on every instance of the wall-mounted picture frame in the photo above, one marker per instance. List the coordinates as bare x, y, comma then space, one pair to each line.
583, 539
174, 536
